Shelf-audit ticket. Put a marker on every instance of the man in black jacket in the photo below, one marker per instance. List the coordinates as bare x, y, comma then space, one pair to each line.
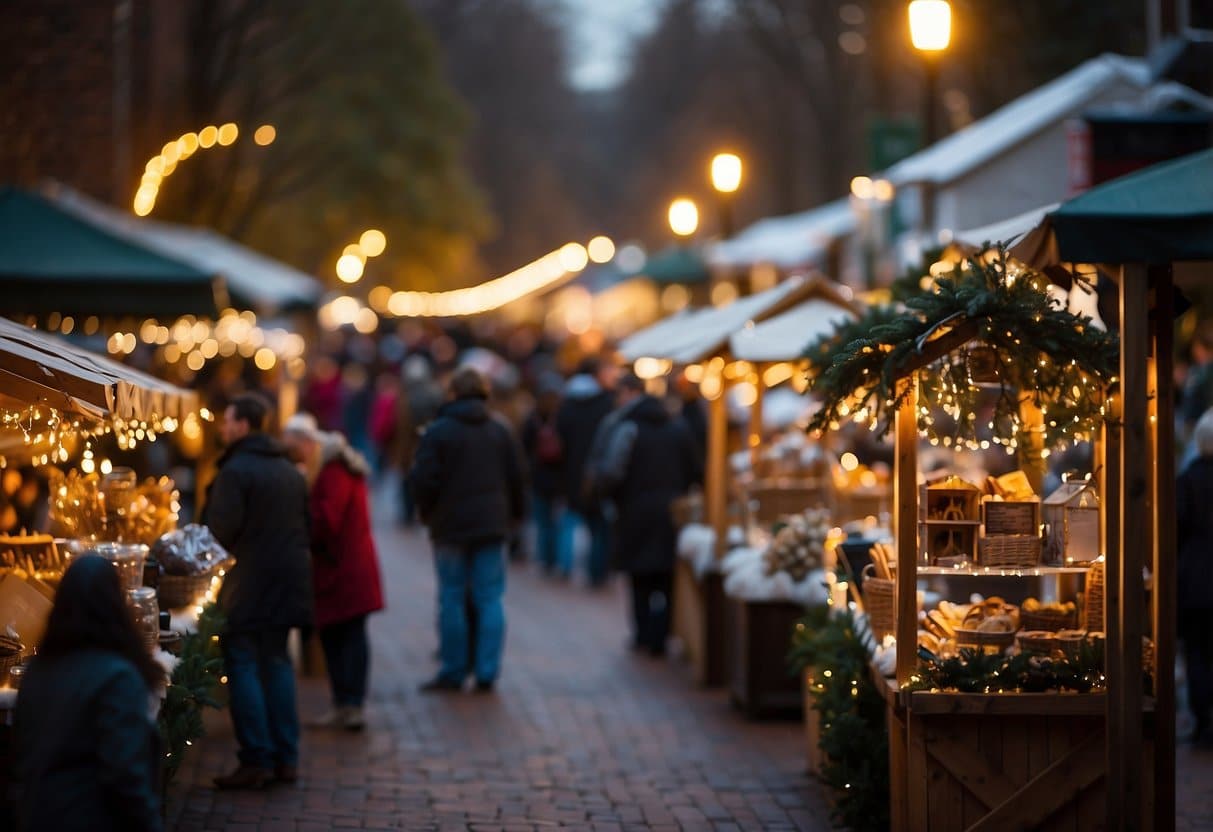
649, 460
467, 484
257, 508
588, 398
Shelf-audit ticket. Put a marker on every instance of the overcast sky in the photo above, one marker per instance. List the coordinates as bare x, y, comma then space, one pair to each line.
602, 32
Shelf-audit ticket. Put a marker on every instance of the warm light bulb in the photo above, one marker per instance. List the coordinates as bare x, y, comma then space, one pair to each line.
265, 135
930, 24
683, 217
726, 172
372, 242
349, 268
601, 249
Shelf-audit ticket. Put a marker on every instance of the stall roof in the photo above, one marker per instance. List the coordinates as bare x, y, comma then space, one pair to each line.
787, 241
52, 260
253, 280
700, 334
1017, 228
785, 337
1161, 214
677, 264
36, 367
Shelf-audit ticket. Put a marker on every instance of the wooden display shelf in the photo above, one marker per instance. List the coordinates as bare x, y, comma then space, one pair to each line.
1001, 571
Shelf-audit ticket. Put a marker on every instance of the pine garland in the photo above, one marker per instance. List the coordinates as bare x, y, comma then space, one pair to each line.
973, 671
193, 686
854, 738
1035, 349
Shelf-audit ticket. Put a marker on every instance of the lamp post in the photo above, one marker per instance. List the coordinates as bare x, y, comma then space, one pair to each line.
930, 32
726, 179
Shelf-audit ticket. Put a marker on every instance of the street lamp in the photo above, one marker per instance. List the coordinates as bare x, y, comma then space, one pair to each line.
726, 179
684, 217
930, 32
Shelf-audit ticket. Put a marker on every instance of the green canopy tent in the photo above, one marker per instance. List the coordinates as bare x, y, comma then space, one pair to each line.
1149, 223
52, 260
677, 264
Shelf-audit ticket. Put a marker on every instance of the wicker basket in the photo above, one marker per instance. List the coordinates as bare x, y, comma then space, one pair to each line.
1008, 517
182, 590
1009, 550
1037, 641
977, 638
880, 603
1051, 620
1093, 605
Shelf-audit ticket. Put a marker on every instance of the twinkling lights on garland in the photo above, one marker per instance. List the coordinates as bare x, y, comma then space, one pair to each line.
1023, 347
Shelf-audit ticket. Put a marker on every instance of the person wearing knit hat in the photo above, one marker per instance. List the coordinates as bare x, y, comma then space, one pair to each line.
345, 567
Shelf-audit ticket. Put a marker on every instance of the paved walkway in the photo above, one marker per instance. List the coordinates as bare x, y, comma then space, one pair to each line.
581, 734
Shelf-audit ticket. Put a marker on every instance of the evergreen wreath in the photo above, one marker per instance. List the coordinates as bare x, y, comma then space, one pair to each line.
854, 739
194, 684
1000, 329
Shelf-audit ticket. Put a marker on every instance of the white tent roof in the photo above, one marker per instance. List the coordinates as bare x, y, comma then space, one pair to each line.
787, 241
1003, 230
698, 334
268, 285
1064, 97
786, 336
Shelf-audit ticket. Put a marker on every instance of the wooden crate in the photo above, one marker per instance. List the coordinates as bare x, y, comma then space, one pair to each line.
999, 761
698, 621
759, 634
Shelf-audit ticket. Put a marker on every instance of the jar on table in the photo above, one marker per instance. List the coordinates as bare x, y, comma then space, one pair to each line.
128, 559
147, 614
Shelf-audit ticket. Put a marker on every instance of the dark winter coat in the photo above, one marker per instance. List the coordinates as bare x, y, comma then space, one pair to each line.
651, 459
584, 407
1194, 521
467, 478
86, 747
345, 568
547, 476
257, 508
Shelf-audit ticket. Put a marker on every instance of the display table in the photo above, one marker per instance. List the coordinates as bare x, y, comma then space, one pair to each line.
759, 681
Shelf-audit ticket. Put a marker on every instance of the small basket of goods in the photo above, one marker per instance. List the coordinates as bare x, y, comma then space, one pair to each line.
989, 624
190, 558
1048, 615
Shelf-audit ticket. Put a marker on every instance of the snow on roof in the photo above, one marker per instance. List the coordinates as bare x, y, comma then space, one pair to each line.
987, 138
1003, 230
786, 336
787, 241
252, 279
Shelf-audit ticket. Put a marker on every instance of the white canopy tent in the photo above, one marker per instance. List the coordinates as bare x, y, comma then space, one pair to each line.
785, 336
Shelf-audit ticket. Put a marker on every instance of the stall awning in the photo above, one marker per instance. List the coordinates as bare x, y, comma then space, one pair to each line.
1161, 214
785, 337
697, 335
679, 264
51, 260
787, 241
37, 368
1018, 229
253, 281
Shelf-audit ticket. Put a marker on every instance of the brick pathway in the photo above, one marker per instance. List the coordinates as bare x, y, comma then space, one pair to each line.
581, 734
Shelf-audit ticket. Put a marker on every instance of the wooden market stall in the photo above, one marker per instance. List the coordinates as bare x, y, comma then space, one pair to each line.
1060, 752
704, 338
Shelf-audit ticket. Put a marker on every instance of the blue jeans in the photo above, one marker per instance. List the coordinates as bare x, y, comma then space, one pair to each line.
546, 514
261, 697
347, 656
476, 573
596, 523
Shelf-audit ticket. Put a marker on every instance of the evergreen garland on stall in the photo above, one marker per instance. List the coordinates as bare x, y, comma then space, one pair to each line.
194, 685
854, 738
1024, 343
973, 671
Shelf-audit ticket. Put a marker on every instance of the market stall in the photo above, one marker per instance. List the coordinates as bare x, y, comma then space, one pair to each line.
1001, 711
703, 342
64, 412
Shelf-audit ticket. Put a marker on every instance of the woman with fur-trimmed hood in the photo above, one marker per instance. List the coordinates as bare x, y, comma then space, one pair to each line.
345, 567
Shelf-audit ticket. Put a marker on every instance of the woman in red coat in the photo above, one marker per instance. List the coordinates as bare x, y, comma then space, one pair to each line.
345, 568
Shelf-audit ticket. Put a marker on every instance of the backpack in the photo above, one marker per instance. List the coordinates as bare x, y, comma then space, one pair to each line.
549, 449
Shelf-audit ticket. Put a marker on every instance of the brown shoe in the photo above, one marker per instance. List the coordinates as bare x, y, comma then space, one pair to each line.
245, 777
286, 774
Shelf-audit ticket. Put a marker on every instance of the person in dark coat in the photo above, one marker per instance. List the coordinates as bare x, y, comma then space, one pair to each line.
86, 748
588, 398
545, 455
1194, 524
467, 484
345, 568
257, 507
650, 460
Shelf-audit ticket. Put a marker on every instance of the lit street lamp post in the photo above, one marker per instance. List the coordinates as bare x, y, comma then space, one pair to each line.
683, 217
930, 32
726, 179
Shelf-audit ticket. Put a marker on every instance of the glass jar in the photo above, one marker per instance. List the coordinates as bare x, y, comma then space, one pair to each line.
147, 614
128, 559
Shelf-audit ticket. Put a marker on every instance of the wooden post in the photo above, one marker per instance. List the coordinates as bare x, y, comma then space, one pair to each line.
718, 452
1032, 422
1125, 729
754, 440
1110, 512
1164, 552
905, 528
